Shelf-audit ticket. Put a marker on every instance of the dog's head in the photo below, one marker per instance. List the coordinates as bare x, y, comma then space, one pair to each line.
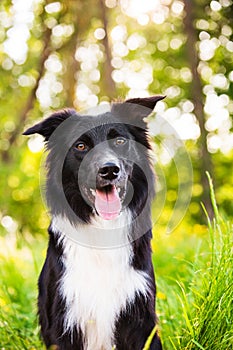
98, 164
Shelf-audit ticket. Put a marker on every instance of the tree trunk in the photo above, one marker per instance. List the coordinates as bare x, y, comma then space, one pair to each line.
68, 50
110, 86
32, 96
197, 97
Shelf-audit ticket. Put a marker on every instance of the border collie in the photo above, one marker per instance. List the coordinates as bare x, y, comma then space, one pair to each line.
97, 286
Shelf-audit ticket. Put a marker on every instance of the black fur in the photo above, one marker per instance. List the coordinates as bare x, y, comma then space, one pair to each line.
60, 131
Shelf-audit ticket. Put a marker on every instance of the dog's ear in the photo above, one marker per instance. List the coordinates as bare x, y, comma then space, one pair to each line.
148, 102
48, 125
135, 108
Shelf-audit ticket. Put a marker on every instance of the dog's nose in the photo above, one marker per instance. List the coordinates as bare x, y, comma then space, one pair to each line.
109, 171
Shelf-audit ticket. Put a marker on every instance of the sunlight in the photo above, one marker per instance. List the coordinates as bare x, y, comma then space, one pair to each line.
215, 6
135, 8
53, 7
120, 49
88, 56
9, 224
22, 18
219, 81
53, 64
136, 41
223, 142
218, 123
207, 48
36, 143
147, 10
119, 33
135, 75
48, 88
177, 7
26, 80
64, 30
179, 123
99, 33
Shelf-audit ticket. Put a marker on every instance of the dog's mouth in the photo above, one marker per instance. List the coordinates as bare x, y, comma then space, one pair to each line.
106, 200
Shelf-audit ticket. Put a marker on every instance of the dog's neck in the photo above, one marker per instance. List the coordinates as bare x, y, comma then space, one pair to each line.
100, 233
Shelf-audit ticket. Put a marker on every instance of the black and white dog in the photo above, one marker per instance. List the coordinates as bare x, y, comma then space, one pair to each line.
97, 287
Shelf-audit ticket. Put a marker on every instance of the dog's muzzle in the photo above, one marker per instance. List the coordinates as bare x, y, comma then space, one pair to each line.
108, 194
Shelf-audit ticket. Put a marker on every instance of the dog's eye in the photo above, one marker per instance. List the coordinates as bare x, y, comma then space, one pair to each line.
81, 146
120, 141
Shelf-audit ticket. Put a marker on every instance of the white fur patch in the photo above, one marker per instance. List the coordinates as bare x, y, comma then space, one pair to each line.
99, 233
96, 285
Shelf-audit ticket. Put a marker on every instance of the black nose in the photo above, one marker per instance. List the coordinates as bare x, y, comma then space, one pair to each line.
109, 171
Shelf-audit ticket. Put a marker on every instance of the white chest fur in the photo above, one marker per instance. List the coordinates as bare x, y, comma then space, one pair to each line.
96, 286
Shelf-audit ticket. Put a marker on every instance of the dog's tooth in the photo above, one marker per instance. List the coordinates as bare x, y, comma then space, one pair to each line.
93, 192
119, 190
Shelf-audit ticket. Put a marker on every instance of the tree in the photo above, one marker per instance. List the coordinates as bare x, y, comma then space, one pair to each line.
198, 101
110, 87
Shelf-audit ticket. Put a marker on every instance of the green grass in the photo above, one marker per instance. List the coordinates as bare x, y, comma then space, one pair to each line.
195, 289
18, 281
198, 313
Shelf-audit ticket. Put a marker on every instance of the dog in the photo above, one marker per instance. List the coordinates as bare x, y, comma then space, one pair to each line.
97, 287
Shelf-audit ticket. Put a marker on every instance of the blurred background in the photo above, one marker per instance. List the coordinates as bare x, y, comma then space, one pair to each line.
73, 53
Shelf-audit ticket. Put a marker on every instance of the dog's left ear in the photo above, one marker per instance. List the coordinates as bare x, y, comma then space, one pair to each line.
136, 108
48, 125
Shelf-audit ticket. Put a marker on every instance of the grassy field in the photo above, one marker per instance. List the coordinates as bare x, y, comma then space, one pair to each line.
194, 298
196, 311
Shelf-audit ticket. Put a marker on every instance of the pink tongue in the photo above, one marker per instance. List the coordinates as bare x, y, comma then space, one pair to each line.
108, 205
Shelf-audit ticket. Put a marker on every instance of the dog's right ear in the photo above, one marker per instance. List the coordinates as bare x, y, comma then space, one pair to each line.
48, 125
